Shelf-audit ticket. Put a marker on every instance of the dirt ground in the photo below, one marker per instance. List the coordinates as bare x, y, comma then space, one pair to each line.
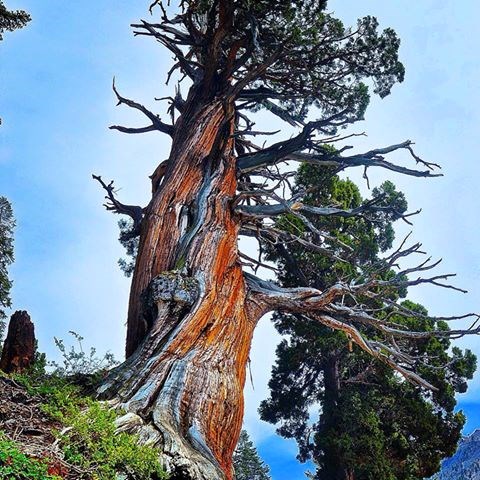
22, 420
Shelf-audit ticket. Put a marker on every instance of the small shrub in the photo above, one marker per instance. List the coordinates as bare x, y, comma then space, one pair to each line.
76, 361
15, 465
62, 400
89, 439
45, 385
93, 445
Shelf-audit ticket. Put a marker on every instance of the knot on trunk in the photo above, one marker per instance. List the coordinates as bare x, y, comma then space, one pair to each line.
174, 288
170, 294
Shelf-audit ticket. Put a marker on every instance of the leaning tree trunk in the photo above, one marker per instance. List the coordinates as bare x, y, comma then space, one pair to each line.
189, 329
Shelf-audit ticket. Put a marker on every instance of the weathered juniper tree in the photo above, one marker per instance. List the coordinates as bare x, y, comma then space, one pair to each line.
193, 309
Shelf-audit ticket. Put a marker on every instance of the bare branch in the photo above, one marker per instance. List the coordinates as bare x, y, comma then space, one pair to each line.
253, 133
254, 73
113, 205
188, 67
360, 315
133, 130
255, 264
278, 237
373, 158
157, 124
310, 301
274, 297
328, 308
281, 113
293, 205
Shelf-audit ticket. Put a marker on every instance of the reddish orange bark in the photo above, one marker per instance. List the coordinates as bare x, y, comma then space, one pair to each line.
161, 232
188, 374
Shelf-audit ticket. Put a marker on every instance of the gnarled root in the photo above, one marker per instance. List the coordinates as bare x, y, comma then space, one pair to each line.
179, 459
150, 385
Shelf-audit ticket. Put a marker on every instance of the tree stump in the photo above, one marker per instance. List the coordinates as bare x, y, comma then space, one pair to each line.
19, 347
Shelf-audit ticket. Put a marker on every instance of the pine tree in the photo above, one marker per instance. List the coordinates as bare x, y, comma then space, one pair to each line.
11, 20
371, 423
7, 225
247, 463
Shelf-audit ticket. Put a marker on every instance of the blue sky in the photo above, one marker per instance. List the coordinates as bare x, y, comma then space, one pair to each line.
56, 104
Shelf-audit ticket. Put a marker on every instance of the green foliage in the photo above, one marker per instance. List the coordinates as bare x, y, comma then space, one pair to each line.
42, 384
15, 465
11, 20
130, 242
76, 361
7, 225
93, 444
323, 63
246, 461
90, 440
371, 423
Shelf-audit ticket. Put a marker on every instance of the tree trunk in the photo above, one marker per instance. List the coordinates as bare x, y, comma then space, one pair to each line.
19, 347
189, 329
335, 471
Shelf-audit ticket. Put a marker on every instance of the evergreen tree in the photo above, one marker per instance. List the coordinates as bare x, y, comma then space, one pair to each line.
7, 224
371, 423
130, 243
247, 463
11, 20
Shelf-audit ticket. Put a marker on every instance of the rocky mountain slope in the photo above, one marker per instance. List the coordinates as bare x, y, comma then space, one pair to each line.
465, 464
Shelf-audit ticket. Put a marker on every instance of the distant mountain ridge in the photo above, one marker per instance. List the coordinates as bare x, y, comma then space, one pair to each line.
465, 464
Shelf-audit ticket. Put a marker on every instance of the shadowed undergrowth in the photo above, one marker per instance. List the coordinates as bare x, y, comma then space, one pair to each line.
50, 429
